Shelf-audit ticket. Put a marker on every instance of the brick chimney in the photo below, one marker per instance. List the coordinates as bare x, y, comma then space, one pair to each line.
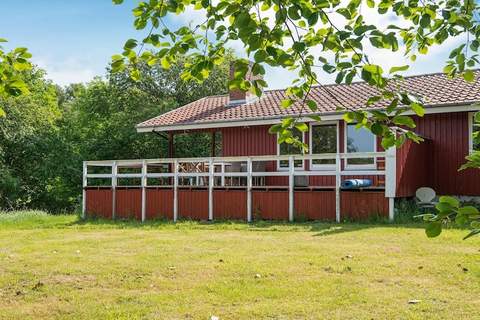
237, 96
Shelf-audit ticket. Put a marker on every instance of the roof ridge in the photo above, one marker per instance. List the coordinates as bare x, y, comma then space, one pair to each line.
362, 81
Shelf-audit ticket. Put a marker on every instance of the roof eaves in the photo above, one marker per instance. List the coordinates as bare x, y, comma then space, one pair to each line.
256, 120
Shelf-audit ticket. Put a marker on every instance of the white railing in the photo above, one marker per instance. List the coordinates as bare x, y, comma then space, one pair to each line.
211, 173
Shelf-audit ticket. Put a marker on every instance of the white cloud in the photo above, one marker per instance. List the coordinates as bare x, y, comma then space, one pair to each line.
69, 70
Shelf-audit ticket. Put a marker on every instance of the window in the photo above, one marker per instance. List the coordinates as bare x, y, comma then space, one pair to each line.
360, 140
291, 149
474, 126
323, 139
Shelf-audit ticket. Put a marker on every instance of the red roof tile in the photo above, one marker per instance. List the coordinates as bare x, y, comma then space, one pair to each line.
434, 89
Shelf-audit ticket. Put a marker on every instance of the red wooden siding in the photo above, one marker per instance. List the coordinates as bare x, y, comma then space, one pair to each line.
159, 204
359, 205
248, 141
193, 204
270, 205
99, 202
449, 135
413, 167
322, 181
230, 204
314, 205
128, 203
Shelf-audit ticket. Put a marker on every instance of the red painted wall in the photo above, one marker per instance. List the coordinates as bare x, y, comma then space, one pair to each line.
99, 202
359, 205
193, 204
128, 203
449, 135
159, 203
315, 205
270, 205
230, 204
413, 167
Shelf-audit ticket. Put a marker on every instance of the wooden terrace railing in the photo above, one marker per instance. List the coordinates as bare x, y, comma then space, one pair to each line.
213, 173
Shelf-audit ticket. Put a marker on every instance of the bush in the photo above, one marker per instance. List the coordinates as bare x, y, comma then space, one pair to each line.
406, 210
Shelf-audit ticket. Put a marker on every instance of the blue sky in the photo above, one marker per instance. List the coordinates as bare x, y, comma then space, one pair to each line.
73, 40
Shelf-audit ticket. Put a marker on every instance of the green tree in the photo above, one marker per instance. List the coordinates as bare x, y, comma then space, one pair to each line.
23, 145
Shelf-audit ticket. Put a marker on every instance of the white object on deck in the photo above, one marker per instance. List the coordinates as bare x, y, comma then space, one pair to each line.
425, 196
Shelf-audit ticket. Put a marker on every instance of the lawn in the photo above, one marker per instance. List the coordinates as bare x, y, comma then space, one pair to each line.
58, 267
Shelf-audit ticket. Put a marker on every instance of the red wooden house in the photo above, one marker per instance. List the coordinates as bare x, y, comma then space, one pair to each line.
256, 178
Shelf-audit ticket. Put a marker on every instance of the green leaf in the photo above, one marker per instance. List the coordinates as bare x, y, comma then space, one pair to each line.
418, 109
260, 56
377, 129
287, 103
371, 3
450, 200
404, 121
2, 113
165, 63
468, 210
275, 128
302, 127
312, 105
135, 74
444, 207
313, 19
117, 1
299, 46
398, 69
293, 13
130, 44
388, 141
433, 229
469, 76
349, 117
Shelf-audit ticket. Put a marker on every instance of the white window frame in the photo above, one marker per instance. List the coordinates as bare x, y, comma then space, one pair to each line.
358, 166
470, 131
324, 167
279, 168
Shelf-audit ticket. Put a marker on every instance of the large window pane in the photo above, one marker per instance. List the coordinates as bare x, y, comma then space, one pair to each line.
360, 140
291, 149
324, 140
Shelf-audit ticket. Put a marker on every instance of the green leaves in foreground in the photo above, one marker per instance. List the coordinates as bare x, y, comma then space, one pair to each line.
337, 32
11, 65
449, 210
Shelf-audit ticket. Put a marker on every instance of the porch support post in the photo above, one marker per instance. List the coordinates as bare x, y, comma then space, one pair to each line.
210, 189
291, 182
212, 153
391, 180
114, 189
175, 190
170, 145
84, 191
338, 182
144, 191
249, 190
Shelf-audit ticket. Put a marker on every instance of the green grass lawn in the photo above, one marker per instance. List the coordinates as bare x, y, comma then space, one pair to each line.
57, 267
